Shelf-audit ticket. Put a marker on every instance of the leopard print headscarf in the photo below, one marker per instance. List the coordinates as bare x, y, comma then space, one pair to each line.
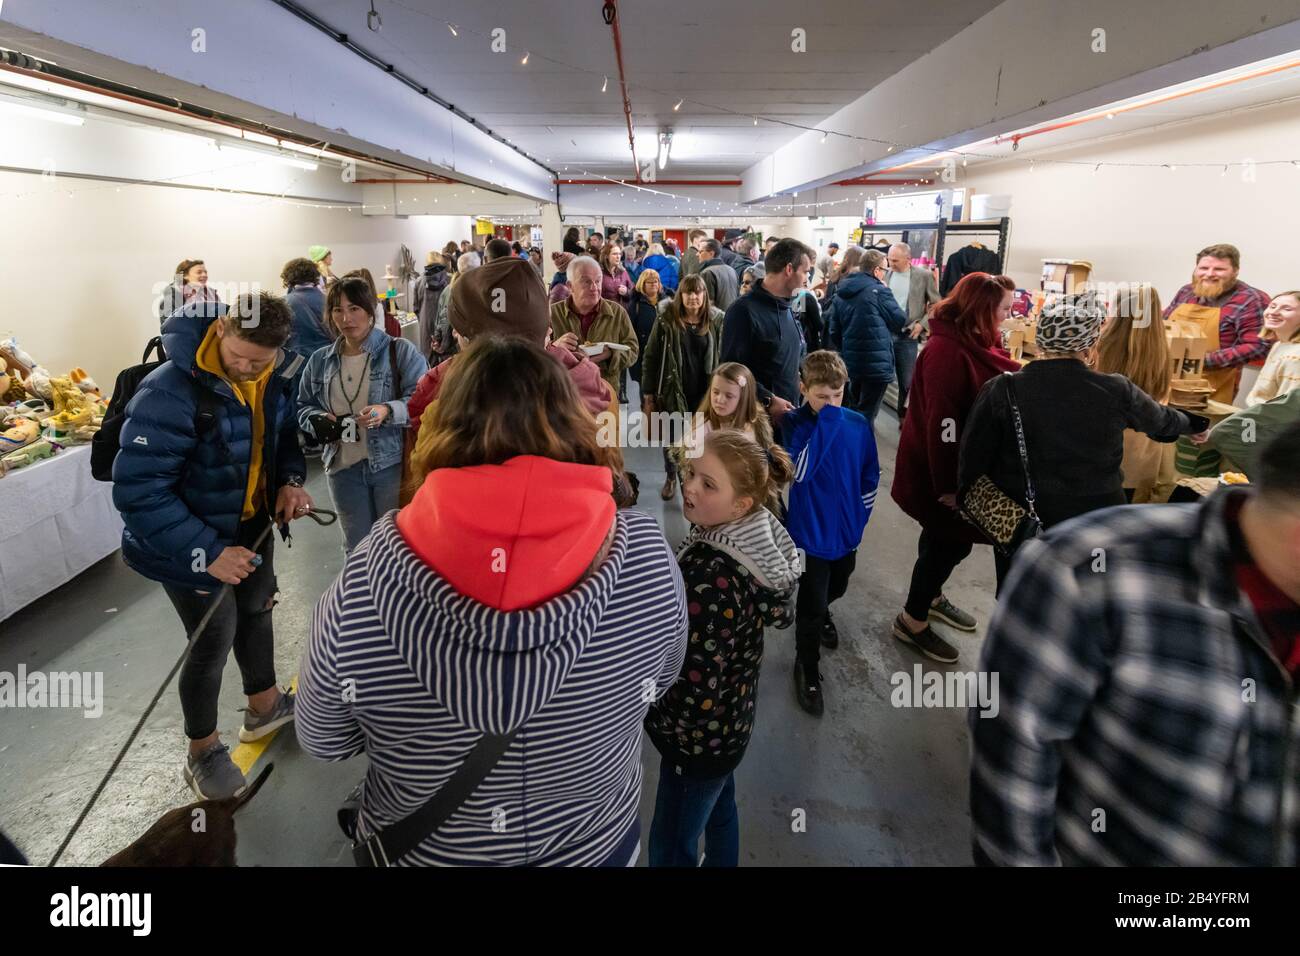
1070, 323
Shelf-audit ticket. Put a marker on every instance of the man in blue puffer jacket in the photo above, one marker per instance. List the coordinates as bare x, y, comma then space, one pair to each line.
209, 452
864, 319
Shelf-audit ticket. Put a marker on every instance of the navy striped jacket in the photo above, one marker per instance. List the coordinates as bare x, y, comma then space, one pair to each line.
401, 666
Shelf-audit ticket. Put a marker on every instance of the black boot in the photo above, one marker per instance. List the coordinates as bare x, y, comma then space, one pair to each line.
808, 689
830, 636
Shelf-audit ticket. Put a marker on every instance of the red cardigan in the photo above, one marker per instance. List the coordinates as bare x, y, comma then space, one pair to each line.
949, 374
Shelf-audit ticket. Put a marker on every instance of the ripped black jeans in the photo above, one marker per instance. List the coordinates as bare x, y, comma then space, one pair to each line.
243, 621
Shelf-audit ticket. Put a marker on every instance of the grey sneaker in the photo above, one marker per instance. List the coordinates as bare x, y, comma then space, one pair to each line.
926, 641
257, 726
213, 775
947, 612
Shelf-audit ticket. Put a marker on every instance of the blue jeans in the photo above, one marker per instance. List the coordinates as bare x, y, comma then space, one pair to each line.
905, 348
362, 497
686, 807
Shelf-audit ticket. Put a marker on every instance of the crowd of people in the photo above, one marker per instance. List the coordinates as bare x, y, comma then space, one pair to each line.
505, 621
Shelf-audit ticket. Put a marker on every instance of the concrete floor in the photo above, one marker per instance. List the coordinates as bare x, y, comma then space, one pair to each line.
877, 785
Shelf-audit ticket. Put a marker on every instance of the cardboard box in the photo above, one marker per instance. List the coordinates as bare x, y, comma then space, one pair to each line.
1065, 275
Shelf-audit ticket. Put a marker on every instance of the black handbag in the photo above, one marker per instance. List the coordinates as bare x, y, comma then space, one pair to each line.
1000, 518
396, 840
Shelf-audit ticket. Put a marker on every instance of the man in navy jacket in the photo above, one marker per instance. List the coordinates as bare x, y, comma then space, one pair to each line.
209, 454
759, 330
865, 317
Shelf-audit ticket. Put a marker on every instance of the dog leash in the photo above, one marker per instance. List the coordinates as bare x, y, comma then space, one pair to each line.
323, 517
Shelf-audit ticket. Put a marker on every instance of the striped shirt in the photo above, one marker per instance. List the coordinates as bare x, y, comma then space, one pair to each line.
405, 669
1142, 719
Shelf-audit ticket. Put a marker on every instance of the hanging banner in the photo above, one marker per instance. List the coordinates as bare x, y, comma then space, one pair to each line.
484, 227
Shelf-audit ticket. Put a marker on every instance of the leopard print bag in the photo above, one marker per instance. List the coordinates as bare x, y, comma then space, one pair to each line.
999, 517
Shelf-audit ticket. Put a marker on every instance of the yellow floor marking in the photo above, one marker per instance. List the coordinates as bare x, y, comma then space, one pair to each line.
245, 755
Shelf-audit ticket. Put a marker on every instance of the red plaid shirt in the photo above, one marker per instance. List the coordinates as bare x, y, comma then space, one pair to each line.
1279, 616
1239, 324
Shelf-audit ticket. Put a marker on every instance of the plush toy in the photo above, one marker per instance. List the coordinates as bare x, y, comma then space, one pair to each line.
35, 379
72, 408
81, 378
31, 453
22, 432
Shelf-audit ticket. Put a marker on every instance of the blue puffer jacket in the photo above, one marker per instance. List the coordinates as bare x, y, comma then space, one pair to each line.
864, 319
181, 494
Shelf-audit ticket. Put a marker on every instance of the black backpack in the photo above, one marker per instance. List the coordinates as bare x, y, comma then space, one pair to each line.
107, 441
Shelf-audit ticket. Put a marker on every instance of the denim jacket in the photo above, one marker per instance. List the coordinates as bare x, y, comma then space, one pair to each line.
383, 444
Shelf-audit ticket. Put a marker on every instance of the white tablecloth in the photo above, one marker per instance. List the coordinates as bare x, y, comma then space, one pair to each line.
56, 520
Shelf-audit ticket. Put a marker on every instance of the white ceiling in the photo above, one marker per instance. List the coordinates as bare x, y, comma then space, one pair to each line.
1214, 95
730, 59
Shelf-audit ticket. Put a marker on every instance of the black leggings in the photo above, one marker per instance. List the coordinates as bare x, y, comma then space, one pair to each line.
937, 555
243, 621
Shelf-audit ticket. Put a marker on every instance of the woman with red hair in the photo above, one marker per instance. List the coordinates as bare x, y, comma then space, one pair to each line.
961, 355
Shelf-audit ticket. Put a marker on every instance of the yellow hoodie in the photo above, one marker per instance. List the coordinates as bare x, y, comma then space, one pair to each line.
250, 394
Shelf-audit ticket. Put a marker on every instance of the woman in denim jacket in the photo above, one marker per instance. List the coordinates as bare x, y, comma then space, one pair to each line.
352, 399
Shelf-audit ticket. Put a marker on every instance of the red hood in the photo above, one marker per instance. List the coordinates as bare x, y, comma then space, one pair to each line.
544, 525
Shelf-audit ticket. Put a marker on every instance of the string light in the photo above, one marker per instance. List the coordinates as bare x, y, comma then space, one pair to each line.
453, 30
524, 61
679, 104
604, 86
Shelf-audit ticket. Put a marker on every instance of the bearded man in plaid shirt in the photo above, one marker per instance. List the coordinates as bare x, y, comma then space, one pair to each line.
1148, 660
1216, 288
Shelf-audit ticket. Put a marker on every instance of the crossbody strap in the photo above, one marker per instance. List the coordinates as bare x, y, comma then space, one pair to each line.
397, 372
395, 841
1020, 441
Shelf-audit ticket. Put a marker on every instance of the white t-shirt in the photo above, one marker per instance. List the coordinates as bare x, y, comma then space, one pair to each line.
353, 380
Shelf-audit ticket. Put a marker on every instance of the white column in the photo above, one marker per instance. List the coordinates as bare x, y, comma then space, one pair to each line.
552, 233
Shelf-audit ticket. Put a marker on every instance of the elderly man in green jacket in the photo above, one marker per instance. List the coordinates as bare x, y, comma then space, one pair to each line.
584, 319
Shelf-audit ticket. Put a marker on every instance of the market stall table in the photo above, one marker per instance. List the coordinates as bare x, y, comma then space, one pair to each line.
56, 520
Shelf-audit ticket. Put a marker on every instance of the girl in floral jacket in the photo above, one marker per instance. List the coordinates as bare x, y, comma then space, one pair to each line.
740, 568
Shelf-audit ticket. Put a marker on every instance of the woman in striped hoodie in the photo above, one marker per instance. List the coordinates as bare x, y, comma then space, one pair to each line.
507, 598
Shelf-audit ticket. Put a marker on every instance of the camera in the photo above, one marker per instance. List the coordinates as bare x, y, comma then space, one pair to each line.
328, 430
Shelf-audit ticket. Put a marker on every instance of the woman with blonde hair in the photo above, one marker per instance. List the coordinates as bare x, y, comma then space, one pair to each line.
644, 309
1133, 344
1281, 372
486, 634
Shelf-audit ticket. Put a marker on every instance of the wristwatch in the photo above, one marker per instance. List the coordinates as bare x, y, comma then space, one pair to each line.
294, 481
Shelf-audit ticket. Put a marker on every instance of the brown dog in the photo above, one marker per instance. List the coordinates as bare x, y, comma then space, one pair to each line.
178, 838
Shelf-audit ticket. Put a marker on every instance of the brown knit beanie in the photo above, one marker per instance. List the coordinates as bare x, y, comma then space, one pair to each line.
504, 297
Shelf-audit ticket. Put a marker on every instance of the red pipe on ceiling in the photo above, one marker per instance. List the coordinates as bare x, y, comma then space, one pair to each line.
622, 82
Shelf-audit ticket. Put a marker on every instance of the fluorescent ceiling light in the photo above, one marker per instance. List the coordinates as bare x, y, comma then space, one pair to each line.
270, 157
36, 112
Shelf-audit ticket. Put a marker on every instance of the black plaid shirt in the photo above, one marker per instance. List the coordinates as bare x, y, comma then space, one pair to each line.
1143, 718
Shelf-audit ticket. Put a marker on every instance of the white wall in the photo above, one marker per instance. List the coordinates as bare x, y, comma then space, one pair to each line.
77, 273
1147, 224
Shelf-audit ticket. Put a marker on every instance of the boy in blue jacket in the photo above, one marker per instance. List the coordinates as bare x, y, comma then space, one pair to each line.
836, 472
